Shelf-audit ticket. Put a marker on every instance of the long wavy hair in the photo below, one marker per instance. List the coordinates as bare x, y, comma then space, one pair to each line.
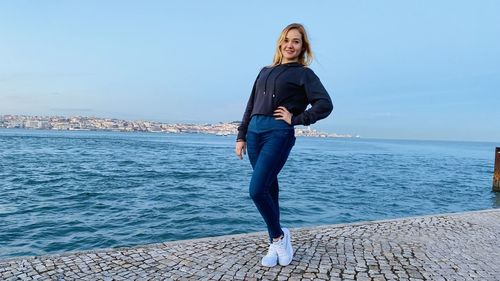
306, 55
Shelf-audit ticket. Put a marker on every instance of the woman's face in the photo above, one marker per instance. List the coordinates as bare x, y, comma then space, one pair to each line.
291, 46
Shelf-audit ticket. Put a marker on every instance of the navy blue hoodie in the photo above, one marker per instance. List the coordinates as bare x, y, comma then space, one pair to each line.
291, 85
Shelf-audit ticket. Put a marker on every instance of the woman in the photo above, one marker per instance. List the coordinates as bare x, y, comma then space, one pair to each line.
278, 101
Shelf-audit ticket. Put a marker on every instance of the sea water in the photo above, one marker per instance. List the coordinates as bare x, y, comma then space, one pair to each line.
78, 190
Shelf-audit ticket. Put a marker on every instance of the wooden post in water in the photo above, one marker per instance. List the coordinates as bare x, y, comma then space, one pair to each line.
496, 173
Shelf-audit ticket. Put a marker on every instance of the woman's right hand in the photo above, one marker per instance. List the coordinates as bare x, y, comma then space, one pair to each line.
240, 149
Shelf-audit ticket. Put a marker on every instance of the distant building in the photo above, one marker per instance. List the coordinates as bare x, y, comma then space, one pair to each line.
15, 124
32, 124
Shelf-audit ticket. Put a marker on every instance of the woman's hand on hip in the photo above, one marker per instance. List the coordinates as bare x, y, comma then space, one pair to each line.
281, 113
240, 149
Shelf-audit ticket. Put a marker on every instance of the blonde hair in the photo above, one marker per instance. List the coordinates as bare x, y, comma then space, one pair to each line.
305, 56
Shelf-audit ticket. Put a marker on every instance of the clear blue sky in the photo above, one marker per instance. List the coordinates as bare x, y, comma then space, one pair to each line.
395, 69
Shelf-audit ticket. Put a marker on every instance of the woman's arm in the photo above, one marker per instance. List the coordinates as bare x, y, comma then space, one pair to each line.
241, 144
243, 127
321, 103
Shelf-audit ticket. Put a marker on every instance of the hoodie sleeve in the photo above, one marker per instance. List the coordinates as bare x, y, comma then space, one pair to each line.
243, 128
317, 96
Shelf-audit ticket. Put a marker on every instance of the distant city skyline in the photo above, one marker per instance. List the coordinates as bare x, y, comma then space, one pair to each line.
399, 70
89, 123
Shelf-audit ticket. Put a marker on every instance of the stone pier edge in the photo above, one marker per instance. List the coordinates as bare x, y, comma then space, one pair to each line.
239, 235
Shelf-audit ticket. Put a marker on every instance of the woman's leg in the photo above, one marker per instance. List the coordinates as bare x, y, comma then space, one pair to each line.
274, 191
268, 152
254, 146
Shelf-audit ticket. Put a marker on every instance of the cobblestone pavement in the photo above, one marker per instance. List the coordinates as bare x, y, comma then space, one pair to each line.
463, 246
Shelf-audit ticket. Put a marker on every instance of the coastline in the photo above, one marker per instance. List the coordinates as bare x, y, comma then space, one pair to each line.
80, 123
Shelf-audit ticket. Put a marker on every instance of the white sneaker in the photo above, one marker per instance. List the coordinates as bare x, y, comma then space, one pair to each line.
271, 258
284, 249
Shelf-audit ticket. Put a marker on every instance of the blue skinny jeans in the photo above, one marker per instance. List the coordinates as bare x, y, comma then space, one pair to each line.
269, 142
